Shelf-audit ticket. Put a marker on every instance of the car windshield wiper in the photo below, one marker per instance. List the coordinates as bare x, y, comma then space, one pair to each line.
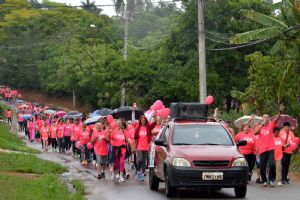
182, 144
210, 144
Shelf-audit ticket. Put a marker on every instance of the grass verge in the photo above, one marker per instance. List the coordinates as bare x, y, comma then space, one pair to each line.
295, 163
13, 142
79, 190
28, 164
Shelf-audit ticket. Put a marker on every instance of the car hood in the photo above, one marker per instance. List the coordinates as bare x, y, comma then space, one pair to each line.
205, 152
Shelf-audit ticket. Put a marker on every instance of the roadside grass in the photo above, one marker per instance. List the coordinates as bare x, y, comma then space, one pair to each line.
295, 163
13, 142
28, 164
25, 188
79, 190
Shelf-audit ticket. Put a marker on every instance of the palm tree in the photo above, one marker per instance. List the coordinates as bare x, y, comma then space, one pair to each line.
91, 7
283, 27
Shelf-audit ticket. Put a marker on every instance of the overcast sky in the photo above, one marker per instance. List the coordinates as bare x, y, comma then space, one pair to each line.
109, 10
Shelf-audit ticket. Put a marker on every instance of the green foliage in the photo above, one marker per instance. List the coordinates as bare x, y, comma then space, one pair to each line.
79, 190
24, 163
13, 142
20, 187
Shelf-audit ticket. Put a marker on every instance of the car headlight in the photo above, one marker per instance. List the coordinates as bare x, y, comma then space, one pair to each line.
240, 162
180, 162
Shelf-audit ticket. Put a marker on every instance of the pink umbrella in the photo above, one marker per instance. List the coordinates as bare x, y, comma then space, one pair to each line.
61, 113
286, 118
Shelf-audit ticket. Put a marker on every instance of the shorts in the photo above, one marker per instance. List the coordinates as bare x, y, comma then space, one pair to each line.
102, 159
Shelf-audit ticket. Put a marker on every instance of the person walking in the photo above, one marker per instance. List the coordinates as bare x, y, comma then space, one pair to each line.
278, 155
287, 137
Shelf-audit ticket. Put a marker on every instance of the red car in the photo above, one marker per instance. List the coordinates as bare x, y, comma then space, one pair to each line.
193, 151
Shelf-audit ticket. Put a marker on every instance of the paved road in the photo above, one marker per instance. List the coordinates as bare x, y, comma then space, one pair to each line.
134, 190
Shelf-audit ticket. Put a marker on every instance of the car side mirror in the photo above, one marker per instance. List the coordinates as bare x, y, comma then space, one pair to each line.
242, 143
160, 142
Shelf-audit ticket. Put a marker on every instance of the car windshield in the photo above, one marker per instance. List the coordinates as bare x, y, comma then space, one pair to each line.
200, 135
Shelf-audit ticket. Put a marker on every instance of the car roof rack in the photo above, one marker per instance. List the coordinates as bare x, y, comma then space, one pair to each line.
193, 118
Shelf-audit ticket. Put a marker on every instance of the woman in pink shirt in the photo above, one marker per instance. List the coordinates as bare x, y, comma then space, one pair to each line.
143, 137
247, 150
76, 132
278, 154
60, 135
84, 138
118, 141
287, 137
67, 135
31, 129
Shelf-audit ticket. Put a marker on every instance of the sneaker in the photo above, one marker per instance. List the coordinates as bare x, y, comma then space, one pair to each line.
99, 176
137, 176
103, 175
121, 179
142, 177
112, 176
272, 184
117, 178
265, 184
279, 183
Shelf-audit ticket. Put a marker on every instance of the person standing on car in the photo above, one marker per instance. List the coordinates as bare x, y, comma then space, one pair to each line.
247, 150
143, 137
287, 137
266, 148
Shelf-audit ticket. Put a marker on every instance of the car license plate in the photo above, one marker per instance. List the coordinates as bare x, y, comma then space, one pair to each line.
212, 176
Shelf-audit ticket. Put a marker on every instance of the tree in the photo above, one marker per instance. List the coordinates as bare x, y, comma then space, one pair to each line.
91, 7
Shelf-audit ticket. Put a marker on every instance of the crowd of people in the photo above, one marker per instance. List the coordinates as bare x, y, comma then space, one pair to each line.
114, 143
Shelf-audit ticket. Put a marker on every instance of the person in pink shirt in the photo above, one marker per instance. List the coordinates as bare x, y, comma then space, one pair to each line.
53, 136
266, 149
31, 129
84, 138
44, 130
247, 150
143, 137
100, 141
67, 135
278, 154
20, 121
287, 137
76, 132
60, 135
118, 141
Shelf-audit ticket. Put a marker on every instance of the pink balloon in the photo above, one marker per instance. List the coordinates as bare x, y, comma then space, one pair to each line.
209, 100
294, 146
166, 112
78, 145
89, 145
296, 140
158, 105
160, 113
109, 118
113, 125
73, 139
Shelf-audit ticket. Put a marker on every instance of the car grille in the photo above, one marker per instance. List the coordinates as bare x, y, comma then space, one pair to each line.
211, 163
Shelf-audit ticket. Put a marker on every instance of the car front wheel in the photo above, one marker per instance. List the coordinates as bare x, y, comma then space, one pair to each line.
153, 181
240, 192
170, 191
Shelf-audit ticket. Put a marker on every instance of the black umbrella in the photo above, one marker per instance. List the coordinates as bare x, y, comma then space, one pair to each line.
105, 111
125, 112
73, 115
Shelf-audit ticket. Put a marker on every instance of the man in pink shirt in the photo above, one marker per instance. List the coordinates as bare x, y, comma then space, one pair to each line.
266, 149
287, 137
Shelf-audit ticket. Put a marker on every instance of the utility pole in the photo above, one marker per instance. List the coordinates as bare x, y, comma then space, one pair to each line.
201, 50
125, 52
74, 100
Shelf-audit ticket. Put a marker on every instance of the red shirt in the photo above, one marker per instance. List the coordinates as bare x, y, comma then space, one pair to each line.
9, 114
53, 130
77, 131
266, 138
278, 148
143, 143
60, 130
100, 145
289, 140
250, 138
117, 138
84, 136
